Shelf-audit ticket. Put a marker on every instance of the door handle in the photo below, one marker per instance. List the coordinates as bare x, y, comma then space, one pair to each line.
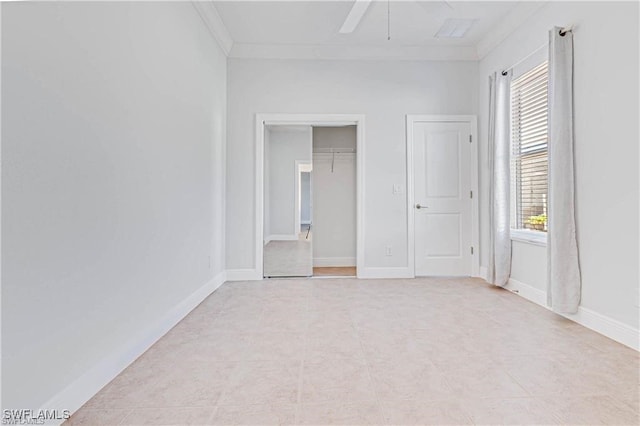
418, 206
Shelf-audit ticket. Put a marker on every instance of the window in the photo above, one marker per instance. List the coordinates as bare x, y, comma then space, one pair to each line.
529, 137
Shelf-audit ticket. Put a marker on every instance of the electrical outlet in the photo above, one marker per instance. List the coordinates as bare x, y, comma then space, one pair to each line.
388, 251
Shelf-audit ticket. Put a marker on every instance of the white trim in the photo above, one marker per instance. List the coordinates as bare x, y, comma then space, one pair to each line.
411, 119
507, 25
322, 262
392, 272
244, 274
613, 329
475, 200
310, 120
332, 277
527, 291
84, 388
353, 52
300, 167
283, 237
411, 247
537, 238
1, 174
212, 20
609, 327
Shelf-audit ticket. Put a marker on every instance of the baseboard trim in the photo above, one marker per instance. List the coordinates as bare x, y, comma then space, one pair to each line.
402, 272
613, 329
84, 388
283, 237
322, 262
243, 275
527, 291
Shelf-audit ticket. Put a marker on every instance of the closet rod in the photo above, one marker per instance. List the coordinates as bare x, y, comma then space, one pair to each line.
334, 151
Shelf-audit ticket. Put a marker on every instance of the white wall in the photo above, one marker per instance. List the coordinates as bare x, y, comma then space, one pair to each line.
334, 137
606, 134
334, 197
285, 147
385, 91
112, 181
334, 210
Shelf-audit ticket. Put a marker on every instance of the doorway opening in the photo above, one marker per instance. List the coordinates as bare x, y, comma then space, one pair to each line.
287, 246
334, 200
312, 200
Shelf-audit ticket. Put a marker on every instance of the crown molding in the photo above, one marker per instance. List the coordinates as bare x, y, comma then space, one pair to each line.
346, 52
507, 25
215, 25
511, 22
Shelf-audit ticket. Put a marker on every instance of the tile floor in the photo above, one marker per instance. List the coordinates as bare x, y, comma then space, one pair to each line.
289, 258
348, 351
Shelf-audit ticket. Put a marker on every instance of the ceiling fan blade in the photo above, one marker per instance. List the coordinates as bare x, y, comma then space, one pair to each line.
355, 16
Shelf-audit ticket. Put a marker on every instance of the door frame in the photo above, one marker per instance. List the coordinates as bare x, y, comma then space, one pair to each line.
326, 120
301, 167
472, 120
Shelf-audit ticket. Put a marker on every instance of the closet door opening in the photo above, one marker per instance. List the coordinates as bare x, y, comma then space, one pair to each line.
334, 196
287, 202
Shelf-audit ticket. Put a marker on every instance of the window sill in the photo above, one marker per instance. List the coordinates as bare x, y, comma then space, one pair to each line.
537, 238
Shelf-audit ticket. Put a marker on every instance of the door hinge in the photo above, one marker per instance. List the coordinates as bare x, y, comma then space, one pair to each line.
470, 138
470, 194
471, 250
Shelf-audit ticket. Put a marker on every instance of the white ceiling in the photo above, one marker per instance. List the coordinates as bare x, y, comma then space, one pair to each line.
310, 28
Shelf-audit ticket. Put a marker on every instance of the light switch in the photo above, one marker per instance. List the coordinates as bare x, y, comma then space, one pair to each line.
397, 188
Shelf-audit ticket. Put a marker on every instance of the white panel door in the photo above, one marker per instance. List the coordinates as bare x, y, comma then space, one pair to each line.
442, 196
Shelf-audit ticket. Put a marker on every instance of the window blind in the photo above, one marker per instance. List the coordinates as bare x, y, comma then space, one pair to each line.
529, 138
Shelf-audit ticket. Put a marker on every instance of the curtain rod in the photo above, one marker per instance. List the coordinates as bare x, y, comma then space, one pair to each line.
562, 32
565, 30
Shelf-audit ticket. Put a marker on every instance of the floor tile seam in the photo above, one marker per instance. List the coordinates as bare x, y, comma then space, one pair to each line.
156, 407
228, 381
122, 420
209, 417
352, 402
177, 407
212, 416
368, 367
520, 385
297, 411
421, 399
555, 394
465, 412
635, 408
